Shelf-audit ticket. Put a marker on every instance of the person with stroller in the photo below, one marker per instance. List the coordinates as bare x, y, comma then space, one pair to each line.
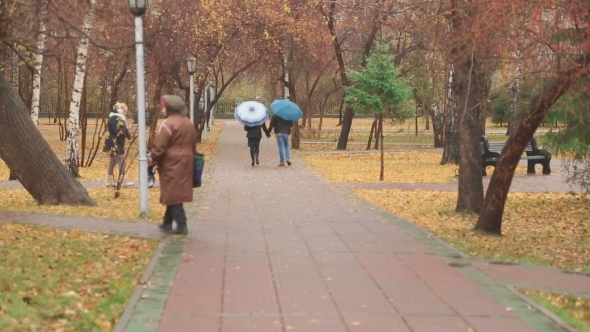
254, 135
173, 153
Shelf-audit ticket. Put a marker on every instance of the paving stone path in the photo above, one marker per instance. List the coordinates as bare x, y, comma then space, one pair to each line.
281, 249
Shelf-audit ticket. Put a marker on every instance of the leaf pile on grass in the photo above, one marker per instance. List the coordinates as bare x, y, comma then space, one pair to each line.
56, 280
400, 167
543, 228
125, 207
574, 310
98, 170
319, 147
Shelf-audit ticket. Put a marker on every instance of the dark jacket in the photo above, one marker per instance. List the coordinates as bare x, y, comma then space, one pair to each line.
118, 133
173, 152
280, 126
256, 131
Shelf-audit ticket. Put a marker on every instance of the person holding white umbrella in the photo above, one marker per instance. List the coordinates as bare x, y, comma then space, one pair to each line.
254, 135
253, 115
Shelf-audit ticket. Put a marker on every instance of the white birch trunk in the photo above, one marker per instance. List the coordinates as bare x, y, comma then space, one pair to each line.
515, 91
38, 66
451, 145
72, 153
15, 73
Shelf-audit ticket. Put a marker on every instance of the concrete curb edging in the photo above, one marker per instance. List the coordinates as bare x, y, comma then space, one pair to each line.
125, 317
144, 309
542, 309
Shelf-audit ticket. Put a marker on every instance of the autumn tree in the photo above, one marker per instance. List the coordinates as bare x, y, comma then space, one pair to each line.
379, 89
572, 69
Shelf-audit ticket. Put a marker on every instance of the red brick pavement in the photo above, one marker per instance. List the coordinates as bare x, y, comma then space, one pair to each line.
277, 249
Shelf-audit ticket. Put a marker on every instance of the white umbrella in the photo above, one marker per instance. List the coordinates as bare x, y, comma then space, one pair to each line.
251, 113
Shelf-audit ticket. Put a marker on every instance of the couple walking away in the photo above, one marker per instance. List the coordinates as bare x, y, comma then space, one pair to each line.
282, 130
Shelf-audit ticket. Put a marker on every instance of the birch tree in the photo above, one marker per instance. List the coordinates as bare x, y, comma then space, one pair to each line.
72, 156
39, 64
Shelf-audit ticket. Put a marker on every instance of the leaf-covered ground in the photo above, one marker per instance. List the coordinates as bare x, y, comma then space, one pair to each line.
400, 167
56, 280
543, 228
574, 310
126, 207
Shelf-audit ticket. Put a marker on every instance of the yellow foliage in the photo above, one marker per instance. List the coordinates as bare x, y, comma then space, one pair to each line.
400, 167
545, 228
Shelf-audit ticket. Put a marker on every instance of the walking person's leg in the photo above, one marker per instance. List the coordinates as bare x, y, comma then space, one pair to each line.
287, 150
166, 224
121, 164
178, 214
252, 154
257, 153
281, 149
111, 169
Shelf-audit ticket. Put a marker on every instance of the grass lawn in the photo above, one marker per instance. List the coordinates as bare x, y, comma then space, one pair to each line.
572, 309
548, 229
542, 228
400, 167
56, 280
125, 207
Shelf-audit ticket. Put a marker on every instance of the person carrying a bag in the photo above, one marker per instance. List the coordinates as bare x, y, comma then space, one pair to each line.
173, 152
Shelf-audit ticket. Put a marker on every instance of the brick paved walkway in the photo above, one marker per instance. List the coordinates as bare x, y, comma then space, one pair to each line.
280, 249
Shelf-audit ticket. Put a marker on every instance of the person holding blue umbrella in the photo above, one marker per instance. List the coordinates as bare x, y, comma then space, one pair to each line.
285, 112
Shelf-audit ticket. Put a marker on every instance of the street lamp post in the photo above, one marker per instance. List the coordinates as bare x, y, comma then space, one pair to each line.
138, 9
212, 89
191, 64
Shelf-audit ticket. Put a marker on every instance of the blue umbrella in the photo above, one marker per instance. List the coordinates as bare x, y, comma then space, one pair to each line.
251, 113
286, 109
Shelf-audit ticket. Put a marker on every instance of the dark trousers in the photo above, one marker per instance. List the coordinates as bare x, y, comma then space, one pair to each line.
175, 213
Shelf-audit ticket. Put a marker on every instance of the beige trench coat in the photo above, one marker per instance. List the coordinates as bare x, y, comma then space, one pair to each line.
173, 153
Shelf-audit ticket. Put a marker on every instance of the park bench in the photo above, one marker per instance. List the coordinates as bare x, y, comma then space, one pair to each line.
491, 154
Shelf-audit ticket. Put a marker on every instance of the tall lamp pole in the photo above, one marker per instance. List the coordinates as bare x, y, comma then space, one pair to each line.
138, 9
191, 64
213, 93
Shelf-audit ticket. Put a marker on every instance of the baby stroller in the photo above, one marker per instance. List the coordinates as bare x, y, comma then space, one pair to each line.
151, 170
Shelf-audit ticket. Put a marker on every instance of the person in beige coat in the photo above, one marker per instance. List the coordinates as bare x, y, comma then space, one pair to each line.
173, 152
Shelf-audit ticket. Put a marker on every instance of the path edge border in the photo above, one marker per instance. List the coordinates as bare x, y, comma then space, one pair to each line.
129, 308
542, 309
135, 300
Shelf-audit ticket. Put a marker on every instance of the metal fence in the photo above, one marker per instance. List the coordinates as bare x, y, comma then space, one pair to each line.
224, 108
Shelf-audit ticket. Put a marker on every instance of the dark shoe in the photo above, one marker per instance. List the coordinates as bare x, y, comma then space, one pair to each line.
165, 227
282, 164
289, 162
257, 162
179, 231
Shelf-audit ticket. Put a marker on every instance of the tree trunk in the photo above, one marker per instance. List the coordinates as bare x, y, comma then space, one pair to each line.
470, 198
373, 129
382, 173
514, 92
490, 218
451, 145
377, 133
437, 126
72, 148
15, 89
41, 173
39, 65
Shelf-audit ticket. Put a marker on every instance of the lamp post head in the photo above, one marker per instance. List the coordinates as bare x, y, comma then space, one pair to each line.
191, 64
138, 7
